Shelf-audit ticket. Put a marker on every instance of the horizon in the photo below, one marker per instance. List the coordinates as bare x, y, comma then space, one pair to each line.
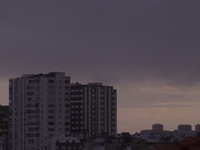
172, 128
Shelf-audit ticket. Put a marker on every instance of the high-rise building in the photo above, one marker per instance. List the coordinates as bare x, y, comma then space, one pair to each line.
40, 109
93, 109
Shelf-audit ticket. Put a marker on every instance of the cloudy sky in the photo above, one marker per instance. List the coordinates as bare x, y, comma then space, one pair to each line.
147, 49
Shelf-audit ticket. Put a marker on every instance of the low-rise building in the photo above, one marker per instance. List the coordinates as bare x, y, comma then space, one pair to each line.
157, 127
64, 143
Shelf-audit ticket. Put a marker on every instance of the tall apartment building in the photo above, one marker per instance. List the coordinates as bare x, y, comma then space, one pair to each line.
40, 109
93, 109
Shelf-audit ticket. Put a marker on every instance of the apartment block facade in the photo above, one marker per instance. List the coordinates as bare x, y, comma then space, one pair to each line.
93, 109
39, 110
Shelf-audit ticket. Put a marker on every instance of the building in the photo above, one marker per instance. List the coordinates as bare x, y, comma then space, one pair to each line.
157, 127
197, 128
93, 109
40, 109
4, 119
66, 143
184, 127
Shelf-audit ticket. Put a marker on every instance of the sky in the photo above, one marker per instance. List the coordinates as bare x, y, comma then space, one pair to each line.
147, 49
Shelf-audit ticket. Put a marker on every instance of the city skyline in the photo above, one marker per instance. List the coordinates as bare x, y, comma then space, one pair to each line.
147, 50
47, 106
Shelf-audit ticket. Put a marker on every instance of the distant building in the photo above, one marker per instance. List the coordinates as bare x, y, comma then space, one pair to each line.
157, 127
184, 127
197, 128
93, 109
40, 109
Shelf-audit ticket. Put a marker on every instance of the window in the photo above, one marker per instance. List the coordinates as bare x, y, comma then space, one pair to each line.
67, 81
51, 123
51, 129
51, 105
51, 111
50, 117
51, 81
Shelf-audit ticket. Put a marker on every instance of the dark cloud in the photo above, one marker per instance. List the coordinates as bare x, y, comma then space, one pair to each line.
122, 39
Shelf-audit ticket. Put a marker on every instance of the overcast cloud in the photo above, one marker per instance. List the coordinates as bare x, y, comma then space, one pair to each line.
134, 45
